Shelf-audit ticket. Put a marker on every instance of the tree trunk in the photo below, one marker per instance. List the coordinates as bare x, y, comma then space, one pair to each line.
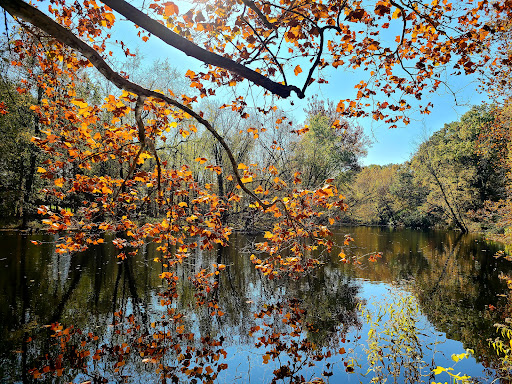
29, 182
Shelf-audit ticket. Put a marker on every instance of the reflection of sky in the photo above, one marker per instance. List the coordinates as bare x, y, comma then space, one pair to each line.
441, 348
245, 361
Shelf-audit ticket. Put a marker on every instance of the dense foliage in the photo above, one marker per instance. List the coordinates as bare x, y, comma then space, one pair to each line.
451, 179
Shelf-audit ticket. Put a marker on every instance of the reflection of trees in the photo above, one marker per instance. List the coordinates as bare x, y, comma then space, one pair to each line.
117, 301
44, 287
99, 303
453, 276
457, 289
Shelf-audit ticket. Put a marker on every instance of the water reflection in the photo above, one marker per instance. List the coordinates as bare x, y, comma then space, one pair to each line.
95, 317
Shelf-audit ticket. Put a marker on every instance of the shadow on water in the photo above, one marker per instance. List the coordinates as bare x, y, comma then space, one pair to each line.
95, 317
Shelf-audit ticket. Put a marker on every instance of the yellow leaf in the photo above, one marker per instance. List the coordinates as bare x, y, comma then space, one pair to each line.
246, 179
110, 17
41, 170
59, 182
439, 370
182, 204
79, 103
396, 14
242, 166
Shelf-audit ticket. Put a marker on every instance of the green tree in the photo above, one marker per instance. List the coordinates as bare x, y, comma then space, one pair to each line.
18, 157
459, 176
331, 148
408, 196
370, 197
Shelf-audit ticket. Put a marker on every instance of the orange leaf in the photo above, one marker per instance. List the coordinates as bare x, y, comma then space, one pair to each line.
171, 9
59, 182
297, 70
109, 17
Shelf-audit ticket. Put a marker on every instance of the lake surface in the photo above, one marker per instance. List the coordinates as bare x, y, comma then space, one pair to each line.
93, 317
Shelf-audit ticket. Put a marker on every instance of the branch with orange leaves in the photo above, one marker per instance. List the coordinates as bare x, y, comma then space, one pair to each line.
189, 48
18, 8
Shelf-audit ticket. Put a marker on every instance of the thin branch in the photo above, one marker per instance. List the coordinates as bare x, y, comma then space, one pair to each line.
262, 42
189, 48
262, 17
317, 60
139, 105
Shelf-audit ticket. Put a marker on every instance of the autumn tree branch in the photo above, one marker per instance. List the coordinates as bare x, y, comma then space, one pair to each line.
264, 20
189, 48
18, 8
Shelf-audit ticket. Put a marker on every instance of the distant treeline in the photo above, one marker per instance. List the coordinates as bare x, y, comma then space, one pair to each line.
457, 178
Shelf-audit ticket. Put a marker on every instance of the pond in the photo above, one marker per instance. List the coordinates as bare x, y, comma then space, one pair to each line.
92, 317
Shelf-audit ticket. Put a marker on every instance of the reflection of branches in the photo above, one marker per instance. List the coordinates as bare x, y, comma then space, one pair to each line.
441, 275
288, 339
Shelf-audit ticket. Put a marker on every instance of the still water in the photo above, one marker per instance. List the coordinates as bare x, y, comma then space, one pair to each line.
92, 317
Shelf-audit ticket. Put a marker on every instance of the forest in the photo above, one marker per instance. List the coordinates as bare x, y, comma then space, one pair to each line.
457, 178
102, 148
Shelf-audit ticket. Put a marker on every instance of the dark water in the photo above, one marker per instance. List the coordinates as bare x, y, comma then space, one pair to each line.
94, 317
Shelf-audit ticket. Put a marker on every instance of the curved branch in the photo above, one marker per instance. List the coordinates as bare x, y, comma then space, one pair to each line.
190, 49
25, 11
264, 20
317, 60
32, 15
